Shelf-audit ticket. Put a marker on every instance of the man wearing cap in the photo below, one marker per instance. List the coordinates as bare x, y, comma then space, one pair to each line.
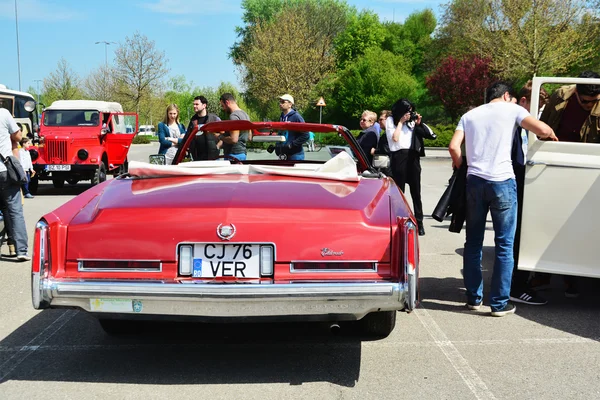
292, 148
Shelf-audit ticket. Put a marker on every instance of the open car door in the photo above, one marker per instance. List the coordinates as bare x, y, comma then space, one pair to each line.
561, 213
122, 128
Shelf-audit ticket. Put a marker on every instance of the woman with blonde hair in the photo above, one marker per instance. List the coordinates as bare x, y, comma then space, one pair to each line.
170, 133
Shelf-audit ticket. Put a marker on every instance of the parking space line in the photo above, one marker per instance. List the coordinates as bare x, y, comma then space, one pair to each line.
460, 364
25, 351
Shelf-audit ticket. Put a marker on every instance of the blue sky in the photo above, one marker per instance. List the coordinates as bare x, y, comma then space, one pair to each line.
194, 34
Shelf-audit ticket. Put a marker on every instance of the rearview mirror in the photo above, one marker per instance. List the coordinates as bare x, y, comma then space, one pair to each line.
269, 139
158, 159
381, 161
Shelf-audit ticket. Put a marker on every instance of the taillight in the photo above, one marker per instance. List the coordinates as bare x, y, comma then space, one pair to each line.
411, 249
41, 249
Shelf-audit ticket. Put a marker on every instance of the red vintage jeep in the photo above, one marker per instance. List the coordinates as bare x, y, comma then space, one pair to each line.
82, 140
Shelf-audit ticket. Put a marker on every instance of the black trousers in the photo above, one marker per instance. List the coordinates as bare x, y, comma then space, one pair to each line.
520, 277
406, 168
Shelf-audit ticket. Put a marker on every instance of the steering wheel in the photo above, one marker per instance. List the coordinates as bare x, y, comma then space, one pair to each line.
231, 159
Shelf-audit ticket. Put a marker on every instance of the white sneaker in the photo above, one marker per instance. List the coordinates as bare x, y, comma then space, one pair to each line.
23, 257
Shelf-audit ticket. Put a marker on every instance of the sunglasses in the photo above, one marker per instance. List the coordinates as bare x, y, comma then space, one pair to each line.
587, 101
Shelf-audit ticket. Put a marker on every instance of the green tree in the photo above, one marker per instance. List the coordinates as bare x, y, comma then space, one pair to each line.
363, 32
139, 70
523, 38
374, 81
287, 56
62, 84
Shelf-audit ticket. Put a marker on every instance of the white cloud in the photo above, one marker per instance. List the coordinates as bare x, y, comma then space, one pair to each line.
45, 10
186, 7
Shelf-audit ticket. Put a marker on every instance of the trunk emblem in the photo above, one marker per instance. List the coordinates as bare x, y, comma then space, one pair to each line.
225, 232
325, 252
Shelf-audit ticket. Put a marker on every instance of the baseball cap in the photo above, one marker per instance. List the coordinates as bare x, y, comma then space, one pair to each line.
287, 97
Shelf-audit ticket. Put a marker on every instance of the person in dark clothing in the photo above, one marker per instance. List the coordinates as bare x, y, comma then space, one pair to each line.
367, 138
203, 147
405, 133
292, 148
520, 291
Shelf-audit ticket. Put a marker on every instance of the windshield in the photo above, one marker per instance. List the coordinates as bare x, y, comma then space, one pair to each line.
71, 118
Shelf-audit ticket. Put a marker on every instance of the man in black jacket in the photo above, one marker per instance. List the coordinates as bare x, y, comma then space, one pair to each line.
203, 147
292, 148
405, 132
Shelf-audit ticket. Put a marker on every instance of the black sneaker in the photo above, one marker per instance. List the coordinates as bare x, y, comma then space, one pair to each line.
508, 309
421, 230
474, 307
530, 298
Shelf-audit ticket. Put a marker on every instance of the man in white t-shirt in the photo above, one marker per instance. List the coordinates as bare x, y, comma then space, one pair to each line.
488, 132
10, 194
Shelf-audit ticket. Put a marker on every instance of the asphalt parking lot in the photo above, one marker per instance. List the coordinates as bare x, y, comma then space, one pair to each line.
439, 351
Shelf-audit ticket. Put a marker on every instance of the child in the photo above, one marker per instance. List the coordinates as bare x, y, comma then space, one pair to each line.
27, 165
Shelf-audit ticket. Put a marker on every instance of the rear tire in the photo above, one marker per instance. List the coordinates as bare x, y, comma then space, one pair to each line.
378, 324
58, 183
99, 174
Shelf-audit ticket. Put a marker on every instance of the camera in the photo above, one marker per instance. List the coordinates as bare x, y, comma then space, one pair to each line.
271, 148
413, 116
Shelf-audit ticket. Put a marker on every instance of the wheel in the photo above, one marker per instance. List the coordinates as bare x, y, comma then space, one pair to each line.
58, 183
100, 174
318, 146
117, 326
33, 185
378, 324
72, 181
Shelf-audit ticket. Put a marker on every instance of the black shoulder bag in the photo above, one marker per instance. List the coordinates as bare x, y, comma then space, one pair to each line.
16, 175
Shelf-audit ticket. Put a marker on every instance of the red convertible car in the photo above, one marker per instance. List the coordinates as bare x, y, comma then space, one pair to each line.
329, 238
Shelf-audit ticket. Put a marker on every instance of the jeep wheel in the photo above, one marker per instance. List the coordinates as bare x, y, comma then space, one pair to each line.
378, 324
100, 174
58, 183
33, 185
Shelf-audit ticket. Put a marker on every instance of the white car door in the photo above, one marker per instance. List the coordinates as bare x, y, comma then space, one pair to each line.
561, 205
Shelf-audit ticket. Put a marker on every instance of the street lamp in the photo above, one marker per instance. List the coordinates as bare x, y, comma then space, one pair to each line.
106, 44
18, 52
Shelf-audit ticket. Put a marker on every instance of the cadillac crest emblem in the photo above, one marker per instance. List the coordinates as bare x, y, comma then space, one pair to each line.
225, 232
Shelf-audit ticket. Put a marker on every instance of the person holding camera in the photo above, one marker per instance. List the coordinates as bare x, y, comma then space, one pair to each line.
405, 133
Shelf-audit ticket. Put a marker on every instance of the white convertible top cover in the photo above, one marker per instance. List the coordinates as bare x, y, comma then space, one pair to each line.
340, 168
102, 106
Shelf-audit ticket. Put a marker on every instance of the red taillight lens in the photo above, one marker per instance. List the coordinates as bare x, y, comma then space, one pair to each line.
411, 249
116, 265
41, 248
333, 266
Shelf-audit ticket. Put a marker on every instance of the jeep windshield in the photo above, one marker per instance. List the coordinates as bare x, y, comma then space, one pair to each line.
71, 118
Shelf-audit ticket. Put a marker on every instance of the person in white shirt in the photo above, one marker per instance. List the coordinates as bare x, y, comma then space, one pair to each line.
488, 132
10, 194
27, 165
405, 133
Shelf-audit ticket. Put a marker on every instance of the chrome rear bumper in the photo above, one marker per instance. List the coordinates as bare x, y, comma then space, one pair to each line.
350, 299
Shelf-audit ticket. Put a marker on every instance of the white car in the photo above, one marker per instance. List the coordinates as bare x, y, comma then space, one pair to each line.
560, 206
147, 130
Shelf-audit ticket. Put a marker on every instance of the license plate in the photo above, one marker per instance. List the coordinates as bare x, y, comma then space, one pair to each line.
58, 167
235, 260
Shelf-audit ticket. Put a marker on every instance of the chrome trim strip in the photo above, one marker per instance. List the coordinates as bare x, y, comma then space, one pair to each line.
300, 271
353, 299
80, 267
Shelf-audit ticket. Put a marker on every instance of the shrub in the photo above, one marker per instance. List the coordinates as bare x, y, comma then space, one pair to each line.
141, 139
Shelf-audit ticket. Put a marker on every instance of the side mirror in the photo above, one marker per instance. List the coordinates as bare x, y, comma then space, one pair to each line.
29, 106
381, 161
158, 159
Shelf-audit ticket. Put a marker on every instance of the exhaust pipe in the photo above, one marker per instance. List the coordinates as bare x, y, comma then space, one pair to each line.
334, 328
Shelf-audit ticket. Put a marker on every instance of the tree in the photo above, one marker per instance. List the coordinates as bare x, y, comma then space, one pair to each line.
524, 38
62, 84
100, 84
329, 18
288, 56
374, 81
363, 32
139, 69
460, 83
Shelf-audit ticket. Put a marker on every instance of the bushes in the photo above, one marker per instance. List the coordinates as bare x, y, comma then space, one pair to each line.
444, 134
141, 139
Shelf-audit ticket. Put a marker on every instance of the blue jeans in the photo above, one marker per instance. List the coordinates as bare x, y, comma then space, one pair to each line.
296, 157
241, 156
12, 210
500, 198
